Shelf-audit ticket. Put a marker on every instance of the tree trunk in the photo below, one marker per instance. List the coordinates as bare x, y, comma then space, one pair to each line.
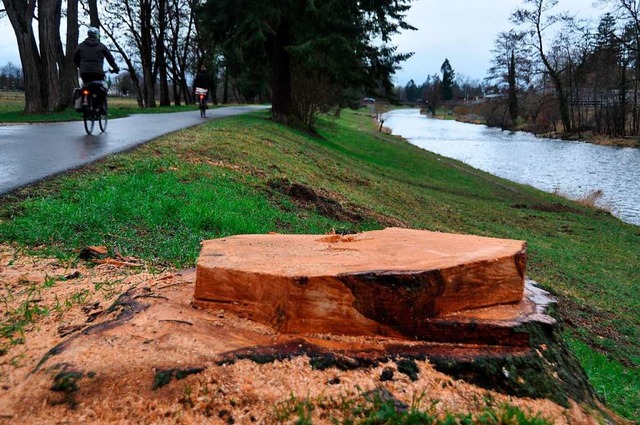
214, 84
175, 22
622, 117
175, 84
225, 90
281, 101
146, 53
94, 18
182, 57
49, 12
21, 17
634, 108
176, 93
68, 74
161, 59
513, 97
563, 105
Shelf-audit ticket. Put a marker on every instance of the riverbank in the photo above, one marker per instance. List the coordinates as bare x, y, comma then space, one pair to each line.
596, 139
577, 170
589, 137
627, 142
249, 175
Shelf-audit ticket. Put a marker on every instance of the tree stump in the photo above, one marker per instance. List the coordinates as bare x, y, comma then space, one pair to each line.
391, 282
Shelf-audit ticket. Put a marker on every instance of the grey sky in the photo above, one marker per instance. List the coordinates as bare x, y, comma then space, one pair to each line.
464, 32
461, 30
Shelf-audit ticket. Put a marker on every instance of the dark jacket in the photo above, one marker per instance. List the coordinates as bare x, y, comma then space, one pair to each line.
90, 56
203, 80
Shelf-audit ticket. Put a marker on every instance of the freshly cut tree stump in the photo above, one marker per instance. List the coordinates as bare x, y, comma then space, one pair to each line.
389, 282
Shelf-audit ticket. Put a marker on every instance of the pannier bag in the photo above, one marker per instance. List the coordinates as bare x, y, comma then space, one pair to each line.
77, 99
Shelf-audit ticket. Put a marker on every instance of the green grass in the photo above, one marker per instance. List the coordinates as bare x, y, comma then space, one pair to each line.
160, 211
224, 177
617, 385
373, 409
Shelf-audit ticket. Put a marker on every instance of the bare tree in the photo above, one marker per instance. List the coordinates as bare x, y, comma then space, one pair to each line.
156, 40
537, 20
128, 24
569, 52
628, 11
512, 69
42, 59
430, 91
11, 77
180, 29
383, 112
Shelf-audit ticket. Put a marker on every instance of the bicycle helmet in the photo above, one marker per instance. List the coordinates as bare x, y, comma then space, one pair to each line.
93, 32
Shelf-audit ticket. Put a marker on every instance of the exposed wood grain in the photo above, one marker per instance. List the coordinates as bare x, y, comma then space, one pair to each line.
384, 282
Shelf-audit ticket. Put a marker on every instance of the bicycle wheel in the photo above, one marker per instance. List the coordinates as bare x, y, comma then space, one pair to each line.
103, 117
89, 117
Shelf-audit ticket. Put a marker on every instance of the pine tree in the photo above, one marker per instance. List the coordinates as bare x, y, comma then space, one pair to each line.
269, 42
448, 79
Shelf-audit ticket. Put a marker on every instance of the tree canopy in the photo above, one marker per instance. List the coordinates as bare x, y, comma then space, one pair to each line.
339, 44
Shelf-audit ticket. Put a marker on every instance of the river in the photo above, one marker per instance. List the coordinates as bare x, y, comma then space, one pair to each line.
568, 168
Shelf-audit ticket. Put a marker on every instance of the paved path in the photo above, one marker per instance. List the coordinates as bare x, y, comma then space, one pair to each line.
32, 152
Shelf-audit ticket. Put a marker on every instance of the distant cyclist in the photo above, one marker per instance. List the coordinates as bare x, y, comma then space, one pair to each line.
90, 55
203, 80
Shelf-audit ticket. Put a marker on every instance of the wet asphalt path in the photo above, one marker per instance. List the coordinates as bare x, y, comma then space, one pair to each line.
32, 152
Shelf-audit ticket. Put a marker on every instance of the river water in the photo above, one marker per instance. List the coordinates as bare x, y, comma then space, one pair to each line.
571, 169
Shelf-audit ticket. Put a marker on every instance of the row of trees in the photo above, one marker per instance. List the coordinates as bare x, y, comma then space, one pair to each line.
304, 57
156, 39
11, 77
439, 88
557, 73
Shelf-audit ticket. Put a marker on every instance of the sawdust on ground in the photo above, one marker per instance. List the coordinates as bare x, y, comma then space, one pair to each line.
162, 364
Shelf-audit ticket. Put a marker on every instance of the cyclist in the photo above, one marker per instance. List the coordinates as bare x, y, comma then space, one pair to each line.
90, 55
202, 81
89, 58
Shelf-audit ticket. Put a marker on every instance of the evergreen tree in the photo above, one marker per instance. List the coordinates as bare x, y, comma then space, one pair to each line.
411, 91
343, 42
448, 78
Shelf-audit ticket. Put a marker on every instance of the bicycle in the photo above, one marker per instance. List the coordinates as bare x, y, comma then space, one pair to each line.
202, 101
93, 105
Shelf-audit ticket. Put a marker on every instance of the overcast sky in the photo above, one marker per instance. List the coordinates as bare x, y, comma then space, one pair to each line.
461, 30
464, 32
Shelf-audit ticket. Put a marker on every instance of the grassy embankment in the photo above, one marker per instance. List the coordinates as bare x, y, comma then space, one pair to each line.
232, 176
12, 107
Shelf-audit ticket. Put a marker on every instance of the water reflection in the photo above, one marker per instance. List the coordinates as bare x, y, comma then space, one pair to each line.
573, 169
89, 147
